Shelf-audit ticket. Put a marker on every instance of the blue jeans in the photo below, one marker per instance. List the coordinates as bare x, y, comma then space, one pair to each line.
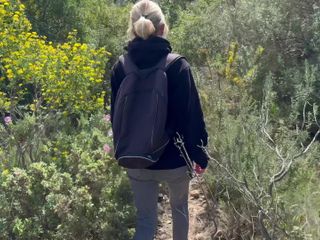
145, 187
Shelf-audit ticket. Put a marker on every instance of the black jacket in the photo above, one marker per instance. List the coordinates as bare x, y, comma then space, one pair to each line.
184, 111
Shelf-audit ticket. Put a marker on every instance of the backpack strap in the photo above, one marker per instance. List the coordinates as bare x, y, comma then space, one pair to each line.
171, 59
167, 61
128, 64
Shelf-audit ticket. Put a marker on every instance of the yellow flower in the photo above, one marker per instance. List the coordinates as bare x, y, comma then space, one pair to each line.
260, 50
12, 38
100, 100
65, 76
84, 47
33, 107
21, 7
5, 172
2, 11
10, 73
64, 59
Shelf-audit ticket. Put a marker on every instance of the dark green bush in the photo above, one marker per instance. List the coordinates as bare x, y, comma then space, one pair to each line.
264, 171
70, 188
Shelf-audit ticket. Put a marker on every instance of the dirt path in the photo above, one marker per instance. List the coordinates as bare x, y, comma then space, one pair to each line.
201, 227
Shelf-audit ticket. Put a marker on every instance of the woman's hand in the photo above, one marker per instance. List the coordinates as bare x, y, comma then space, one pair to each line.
199, 170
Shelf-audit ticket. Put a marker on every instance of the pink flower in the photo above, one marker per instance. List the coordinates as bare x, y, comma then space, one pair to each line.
106, 118
106, 148
7, 120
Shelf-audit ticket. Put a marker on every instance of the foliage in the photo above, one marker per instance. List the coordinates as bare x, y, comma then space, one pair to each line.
286, 30
53, 19
260, 164
104, 24
57, 177
71, 187
98, 22
257, 62
67, 76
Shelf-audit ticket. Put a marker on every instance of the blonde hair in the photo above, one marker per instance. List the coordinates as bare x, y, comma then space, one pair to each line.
146, 18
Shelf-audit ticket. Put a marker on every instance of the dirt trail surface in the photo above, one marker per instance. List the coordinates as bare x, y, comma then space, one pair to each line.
201, 227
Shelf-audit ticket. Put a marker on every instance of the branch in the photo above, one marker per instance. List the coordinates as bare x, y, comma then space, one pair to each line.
315, 116
285, 168
264, 231
184, 153
304, 115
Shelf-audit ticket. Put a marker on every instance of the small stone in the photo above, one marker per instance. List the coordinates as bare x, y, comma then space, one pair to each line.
160, 197
195, 194
160, 209
163, 236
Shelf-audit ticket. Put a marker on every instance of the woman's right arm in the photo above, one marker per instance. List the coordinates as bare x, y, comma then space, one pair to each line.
189, 116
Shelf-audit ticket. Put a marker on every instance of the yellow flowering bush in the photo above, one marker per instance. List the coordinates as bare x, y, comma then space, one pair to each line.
62, 168
231, 70
38, 75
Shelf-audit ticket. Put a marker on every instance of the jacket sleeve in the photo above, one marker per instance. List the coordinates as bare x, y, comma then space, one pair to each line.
117, 75
190, 123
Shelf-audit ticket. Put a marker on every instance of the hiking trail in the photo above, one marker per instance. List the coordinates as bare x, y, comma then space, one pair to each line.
200, 225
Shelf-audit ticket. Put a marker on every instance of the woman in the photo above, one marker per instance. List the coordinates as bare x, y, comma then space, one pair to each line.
148, 45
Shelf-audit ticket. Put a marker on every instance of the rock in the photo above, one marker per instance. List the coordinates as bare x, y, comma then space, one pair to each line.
195, 194
160, 197
160, 209
163, 237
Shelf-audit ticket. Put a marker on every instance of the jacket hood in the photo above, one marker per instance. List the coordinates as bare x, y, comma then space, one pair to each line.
146, 53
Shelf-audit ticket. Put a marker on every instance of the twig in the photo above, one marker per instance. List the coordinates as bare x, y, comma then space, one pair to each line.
286, 165
264, 231
285, 168
304, 115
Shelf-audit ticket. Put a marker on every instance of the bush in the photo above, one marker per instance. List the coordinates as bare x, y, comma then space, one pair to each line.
57, 177
286, 30
68, 185
35, 74
261, 164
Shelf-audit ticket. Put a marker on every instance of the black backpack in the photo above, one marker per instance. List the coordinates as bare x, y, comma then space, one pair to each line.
140, 113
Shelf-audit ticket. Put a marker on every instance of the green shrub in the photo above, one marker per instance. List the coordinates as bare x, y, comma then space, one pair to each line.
288, 35
261, 160
69, 188
57, 177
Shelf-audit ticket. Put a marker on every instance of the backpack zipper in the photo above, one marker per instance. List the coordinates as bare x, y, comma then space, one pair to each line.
159, 148
128, 156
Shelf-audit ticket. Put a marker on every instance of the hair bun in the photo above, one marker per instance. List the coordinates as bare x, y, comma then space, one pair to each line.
146, 18
144, 27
